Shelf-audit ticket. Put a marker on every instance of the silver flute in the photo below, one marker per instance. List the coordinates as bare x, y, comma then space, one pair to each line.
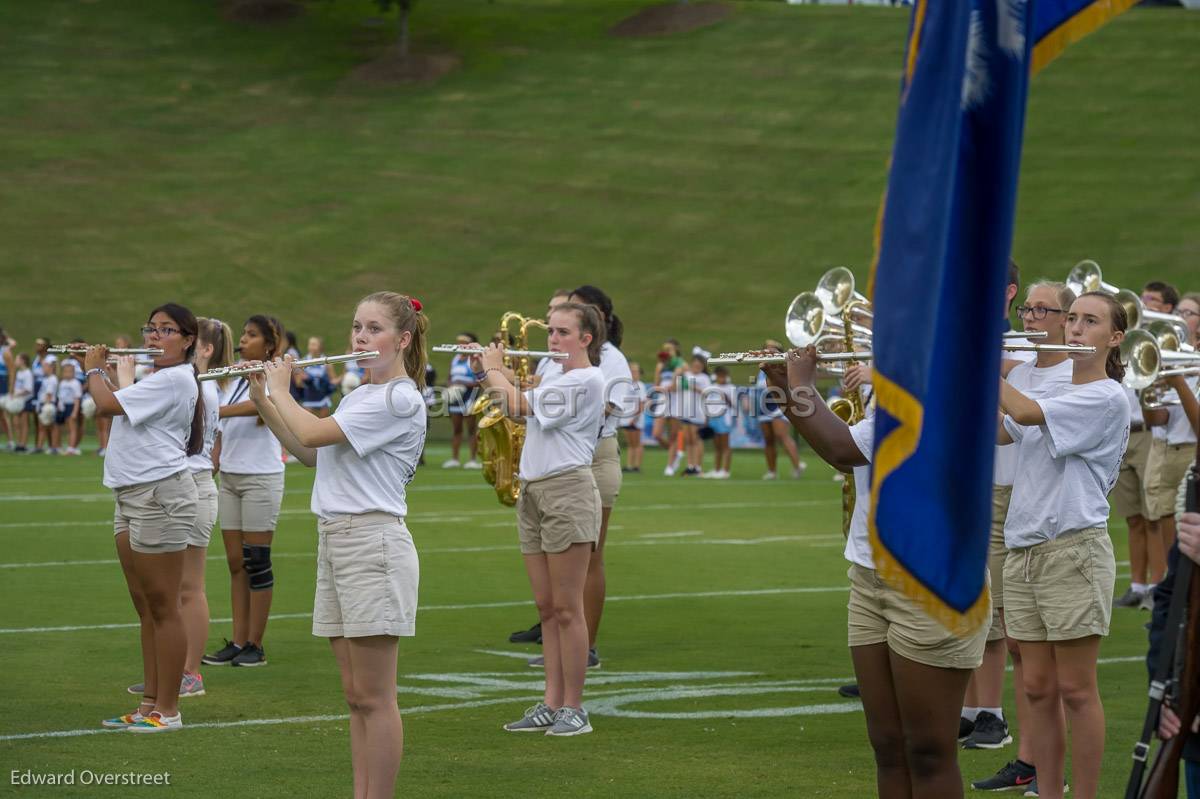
238, 370
81, 349
459, 349
759, 356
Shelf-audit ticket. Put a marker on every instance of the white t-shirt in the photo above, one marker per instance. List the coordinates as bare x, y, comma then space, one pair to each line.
384, 425
562, 431
858, 543
69, 392
691, 399
212, 425
1135, 407
149, 442
1034, 383
23, 384
618, 386
1005, 461
247, 447
1067, 466
49, 389
1179, 429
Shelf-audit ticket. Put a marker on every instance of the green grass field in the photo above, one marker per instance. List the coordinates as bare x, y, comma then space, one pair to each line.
726, 598
703, 179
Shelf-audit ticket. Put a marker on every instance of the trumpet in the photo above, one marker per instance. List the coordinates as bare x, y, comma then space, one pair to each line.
240, 370
460, 349
81, 349
770, 356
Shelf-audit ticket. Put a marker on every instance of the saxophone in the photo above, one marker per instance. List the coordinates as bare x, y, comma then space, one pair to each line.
851, 411
501, 438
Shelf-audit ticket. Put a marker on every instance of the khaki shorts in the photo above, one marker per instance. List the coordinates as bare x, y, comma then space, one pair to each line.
997, 552
1128, 495
250, 502
1165, 468
880, 614
1060, 590
206, 508
367, 577
606, 468
555, 512
158, 516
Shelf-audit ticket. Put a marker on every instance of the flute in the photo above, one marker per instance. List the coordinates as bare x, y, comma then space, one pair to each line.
458, 349
81, 349
240, 371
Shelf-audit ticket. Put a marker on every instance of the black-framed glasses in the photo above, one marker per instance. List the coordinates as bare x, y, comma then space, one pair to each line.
1038, 312
162, 331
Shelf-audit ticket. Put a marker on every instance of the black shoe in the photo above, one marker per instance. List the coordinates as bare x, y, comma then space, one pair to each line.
965, 728
991, 732
1130, 599
1013, 776
531, 636
223, 656
850, 691
250, 655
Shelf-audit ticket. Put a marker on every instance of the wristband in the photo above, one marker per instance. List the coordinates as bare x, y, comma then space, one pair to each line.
96, 371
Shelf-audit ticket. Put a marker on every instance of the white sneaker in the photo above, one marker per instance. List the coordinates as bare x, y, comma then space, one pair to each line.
100, 452
722, 475
769, 476
838, 477
669, 471
711, 475
472, 464
798, 472
451, 464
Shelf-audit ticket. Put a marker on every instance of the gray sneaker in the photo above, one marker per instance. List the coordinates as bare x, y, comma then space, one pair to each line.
538, 718
1130, 599
1147, 602
593, 661
570, 721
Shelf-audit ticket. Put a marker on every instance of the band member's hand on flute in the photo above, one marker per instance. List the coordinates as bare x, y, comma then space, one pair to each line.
96, 357
801, 366
126, 370
278, 375
492, 358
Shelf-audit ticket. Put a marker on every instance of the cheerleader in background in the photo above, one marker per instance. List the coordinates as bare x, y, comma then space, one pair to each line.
23, 392
638, 399
315, 382
719, 403
157, 424
47, 409
67, 401
774, 427
462, 385
667, 427
1059, 572
558, 513
8, 371
691, 385
251, 491
367, 569
912, 673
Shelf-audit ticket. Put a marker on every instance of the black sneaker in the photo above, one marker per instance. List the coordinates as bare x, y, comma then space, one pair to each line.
250, 655
1013, 776
965, 728
531, 636
223, 656
849, 691
991, 732
1033, 791
1130, 599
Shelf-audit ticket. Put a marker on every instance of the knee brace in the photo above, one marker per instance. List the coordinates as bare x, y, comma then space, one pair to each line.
256, 560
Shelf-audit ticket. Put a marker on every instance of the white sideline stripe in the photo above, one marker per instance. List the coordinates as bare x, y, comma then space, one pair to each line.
471, 606
215, 725
652, 539
434, 517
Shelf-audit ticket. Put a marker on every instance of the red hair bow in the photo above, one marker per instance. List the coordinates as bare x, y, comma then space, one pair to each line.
416, 304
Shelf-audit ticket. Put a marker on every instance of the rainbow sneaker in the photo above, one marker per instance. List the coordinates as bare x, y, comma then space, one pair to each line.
157, 722
122, 722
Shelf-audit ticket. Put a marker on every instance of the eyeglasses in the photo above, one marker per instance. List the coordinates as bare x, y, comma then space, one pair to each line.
1036, 311
162, 331
1186, 313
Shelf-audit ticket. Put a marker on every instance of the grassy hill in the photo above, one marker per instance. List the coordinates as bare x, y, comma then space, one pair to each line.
163, 151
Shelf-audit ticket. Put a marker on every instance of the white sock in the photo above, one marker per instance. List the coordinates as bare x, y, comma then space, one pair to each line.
1138, 588
998, 712
969, 713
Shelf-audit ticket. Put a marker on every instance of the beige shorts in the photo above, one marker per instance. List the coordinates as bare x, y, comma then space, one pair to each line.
1165, 468
606, 468
250, 502
1128, 495
556, 512
367, 577
159, 516
206, 508
997, 552
880, 614
1060, 590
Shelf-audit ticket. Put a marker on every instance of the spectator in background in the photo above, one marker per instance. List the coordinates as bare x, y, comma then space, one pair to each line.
634, 450
315, 382
719, 404
460, 395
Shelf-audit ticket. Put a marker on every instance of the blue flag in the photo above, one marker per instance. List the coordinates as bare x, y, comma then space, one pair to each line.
945, 237
1059, 23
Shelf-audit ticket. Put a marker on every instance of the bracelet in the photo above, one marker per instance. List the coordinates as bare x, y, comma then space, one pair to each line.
495, 369
96, 371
